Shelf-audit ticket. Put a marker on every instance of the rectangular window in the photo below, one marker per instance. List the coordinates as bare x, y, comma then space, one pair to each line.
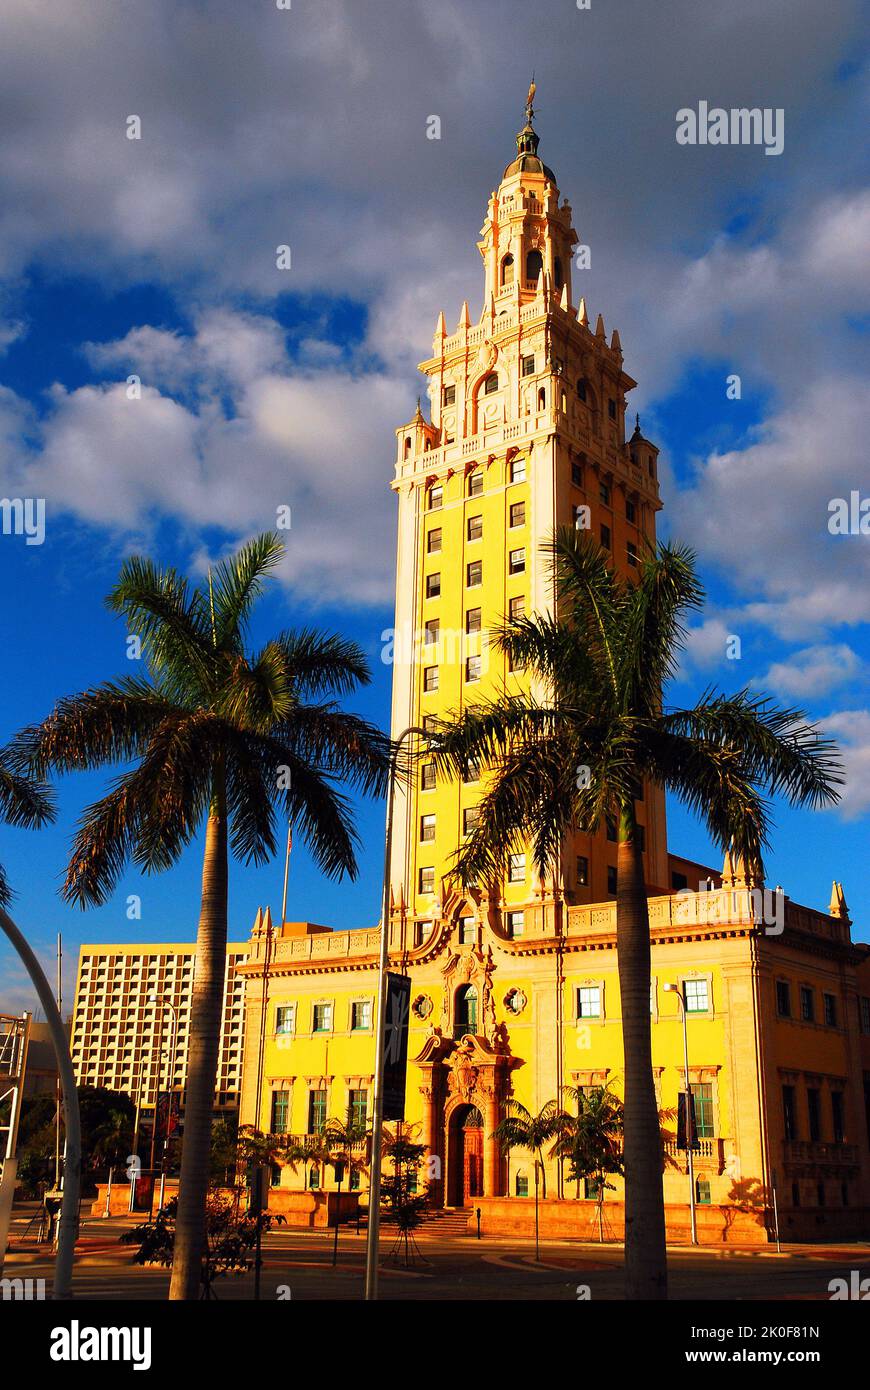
611, 880
808, 1004
610, 824
475, 483
517, 868
830, 1010
814, 1113
577, 474
697, 994
448, 395
427, 777
518, 514
280, 1121
474, 574
427, 827
521, 1185
604, 494
433, 585
865, 1013
517, 562
838, 1124
285, 1018
472, 620
631, 553
426, 879
528, 366
582, 870
517, 608
518, 470
703, 1096
470, 817
472, 669
472, 771
361, 1015
430, 724
316, 1111
433, 540
783, 998
605, 536
467, 933
475, 528
611, 408
430, 679
432, 632
589, 1001
516, 924
436, 497
591, 1189
789, 1114
630, 510
322, 1018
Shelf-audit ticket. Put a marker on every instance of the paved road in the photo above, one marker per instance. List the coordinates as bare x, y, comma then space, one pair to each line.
298, 1265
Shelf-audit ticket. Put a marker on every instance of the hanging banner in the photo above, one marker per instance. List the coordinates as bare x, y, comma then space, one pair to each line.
396, 1018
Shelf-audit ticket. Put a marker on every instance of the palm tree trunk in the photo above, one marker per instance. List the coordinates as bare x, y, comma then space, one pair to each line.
537, 1246
337, 1212
645, 1252
205, 1028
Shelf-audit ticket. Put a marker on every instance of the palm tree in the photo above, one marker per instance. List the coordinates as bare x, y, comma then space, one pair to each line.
520, 1129
591, 1139
577, 751
342, 1141
23, 801
220, 737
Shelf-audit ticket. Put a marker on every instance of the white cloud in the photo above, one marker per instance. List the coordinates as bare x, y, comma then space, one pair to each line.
760, 513
851, 728
247, 435
813, 671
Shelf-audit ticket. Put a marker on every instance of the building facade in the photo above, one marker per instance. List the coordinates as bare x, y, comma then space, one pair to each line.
131, 1020
515, 993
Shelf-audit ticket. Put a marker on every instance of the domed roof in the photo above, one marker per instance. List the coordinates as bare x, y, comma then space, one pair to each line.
527, 160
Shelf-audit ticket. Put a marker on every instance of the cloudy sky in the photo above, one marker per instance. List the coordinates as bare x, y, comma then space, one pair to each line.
306, 127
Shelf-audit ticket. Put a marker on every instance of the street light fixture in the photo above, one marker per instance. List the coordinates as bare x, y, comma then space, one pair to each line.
690, 1128
374, 1226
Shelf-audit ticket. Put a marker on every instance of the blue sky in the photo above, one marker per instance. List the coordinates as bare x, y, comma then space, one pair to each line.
262, 387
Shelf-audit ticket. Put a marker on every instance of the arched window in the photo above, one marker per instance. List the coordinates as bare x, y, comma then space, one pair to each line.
542, 399
407, 446
507, 270
557, 271
466, 1011
534, 265
490, 384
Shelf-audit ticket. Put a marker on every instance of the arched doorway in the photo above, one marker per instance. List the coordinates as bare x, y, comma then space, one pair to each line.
465, 1160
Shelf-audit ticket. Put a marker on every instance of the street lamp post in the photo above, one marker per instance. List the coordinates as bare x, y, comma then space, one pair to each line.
374, 1225
690, 1128
170, 1079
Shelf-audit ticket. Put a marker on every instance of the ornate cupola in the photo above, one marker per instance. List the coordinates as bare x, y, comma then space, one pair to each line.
527, 238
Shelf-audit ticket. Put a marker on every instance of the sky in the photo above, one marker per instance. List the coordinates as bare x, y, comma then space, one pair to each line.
306, 126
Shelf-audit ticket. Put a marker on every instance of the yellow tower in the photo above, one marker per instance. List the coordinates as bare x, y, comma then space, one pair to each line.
527, 433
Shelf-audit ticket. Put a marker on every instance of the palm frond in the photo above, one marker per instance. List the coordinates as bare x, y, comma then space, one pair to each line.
236, 583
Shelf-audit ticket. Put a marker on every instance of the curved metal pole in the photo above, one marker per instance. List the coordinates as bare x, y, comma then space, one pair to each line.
374, 1226
69, 1211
